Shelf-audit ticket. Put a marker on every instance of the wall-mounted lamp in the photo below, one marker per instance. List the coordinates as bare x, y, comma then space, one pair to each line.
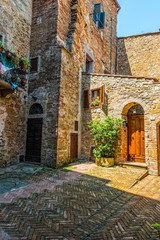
152, 118
125, 123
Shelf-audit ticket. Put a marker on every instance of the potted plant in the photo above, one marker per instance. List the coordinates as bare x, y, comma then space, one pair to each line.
23, 81
95, 103
24, 63
15, 59
105, 135
9, 54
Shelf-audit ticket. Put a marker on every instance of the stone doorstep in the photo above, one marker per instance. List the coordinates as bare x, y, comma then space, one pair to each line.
135, 164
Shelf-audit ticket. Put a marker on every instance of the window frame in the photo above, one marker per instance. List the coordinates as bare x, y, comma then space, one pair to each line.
86, 99
101, 96
38, 65
99, 17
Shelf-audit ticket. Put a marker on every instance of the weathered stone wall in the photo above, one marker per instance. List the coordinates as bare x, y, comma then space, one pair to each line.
12, 126
86, 39
15, 24
44, 85
139, 55
120, 93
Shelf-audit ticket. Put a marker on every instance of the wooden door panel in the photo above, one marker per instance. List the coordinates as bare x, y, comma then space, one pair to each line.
73, 146
34, 138
136, 144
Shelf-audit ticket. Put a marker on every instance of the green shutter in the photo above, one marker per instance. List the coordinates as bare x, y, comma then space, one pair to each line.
96, 11
101, 23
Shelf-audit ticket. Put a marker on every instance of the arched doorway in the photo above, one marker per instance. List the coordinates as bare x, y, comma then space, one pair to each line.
136, 140
34, 134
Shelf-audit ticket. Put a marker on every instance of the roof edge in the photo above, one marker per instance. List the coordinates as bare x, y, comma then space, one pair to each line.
118, 6
123, 76
139, 35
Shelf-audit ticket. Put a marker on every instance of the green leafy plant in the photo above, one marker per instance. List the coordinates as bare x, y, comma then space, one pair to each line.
96, 102
105, 135
157, 227
24, 63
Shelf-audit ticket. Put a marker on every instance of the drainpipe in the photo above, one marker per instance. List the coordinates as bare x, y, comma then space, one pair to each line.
111, 45
116, 60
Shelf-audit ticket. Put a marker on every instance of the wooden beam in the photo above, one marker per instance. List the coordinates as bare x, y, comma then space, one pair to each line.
4, 85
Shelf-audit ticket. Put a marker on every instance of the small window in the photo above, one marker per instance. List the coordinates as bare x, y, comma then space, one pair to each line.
89, 64
36, 109
99, 16
97, 97
76, 126
86, 99
34, 65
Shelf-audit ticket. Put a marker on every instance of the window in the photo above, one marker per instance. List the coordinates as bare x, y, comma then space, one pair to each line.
99, 16
97, 97
36, 109
76, 126
89, 64
86, 99
34, 65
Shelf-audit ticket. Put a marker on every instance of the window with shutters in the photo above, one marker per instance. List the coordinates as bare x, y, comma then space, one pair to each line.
97, 97
99, 16
34, 65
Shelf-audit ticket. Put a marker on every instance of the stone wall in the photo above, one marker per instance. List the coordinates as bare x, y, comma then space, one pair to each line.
12, 126
85, 38
45, 83
15, 24
139, 55
120, 93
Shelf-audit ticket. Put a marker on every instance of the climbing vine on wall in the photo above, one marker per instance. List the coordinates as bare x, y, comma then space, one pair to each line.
12, 68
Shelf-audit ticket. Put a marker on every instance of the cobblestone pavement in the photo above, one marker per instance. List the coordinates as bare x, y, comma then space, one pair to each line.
80, 202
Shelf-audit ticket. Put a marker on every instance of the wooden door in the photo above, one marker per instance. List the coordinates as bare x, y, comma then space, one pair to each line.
34, 139
74, 146
158, 135
136, 144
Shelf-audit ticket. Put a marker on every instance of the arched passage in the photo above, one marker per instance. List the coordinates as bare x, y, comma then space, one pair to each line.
133, 140
34, 134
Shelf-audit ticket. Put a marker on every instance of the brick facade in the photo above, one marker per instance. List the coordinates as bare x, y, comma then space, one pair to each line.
65, 35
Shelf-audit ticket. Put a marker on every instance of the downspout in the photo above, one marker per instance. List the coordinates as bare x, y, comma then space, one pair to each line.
116, 60
111, 46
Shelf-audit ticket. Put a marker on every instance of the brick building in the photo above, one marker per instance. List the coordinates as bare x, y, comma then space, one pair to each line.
67, 38
75, 56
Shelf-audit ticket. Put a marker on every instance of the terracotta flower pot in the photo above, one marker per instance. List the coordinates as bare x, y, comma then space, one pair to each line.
105, 162
23, 82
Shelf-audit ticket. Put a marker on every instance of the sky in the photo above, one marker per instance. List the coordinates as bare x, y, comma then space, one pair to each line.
138, 17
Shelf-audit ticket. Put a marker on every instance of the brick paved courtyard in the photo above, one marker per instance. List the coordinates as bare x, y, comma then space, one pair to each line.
81, 201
